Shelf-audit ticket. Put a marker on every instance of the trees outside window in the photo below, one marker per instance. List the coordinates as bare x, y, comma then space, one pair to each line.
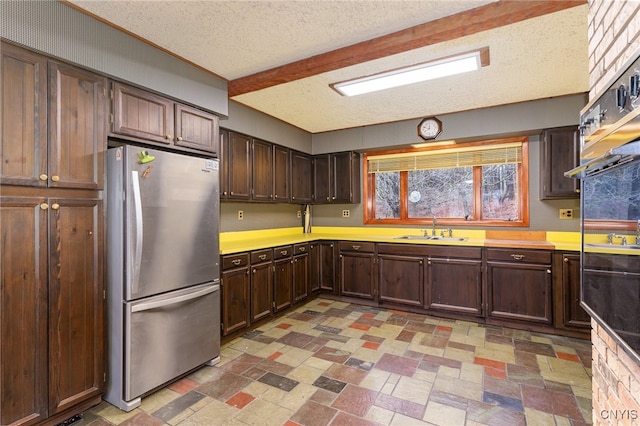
482, 182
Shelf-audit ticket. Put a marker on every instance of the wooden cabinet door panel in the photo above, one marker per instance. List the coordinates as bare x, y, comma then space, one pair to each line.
300, 177
322, 182
261, 291
23, 311
196, 129
235, 300
345, 171
282, 284
400, 279
314, 267
23, 142
281, 174
573, 314
300, 277
519, 291
76, 299
77, 127
357, 275
455, 286
327, 266
142, 114
559, 152
262, 170
239, 163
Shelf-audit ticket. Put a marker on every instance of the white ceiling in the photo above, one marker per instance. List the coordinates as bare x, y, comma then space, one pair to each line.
244, 41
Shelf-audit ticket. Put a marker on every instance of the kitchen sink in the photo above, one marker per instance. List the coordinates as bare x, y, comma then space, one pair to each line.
431, 238
615, 246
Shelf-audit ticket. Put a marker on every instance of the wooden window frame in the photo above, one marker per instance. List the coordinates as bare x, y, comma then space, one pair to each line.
523, 175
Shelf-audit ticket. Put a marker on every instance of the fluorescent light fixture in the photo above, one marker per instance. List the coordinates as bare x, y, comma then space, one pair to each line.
471, 61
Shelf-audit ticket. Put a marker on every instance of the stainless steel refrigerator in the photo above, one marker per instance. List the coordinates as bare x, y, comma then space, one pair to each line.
163, 287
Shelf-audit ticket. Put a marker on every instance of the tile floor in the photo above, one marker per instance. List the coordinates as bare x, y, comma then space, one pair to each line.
334, 363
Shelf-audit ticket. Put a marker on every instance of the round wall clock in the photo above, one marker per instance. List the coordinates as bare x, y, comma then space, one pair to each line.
429, 128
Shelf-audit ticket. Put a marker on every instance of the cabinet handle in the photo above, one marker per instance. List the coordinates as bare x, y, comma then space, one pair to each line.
548, 271
518, 256
55, 178
254, 271
236, 261
302, 248
262, 256
327, 198
333, 198
293, 198
231, 193
566, 260
284, 252
179, 138
55, 206
356, 247
276, 196
577, 191
44, 206
168, 136
43, 177
224, 193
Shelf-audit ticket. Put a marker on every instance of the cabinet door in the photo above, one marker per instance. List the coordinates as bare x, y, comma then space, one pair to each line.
345, 173
239, 159
314, 267
261, 290
235, 300
262, 170
224, 164
142, 114
282, 284
281, 174
300, 277
519, 292
76, 300
454, 285
573, 315
559, 153
77, 127
23, 311
357, 274
322, 182
23, 145
300, 177
327, 266
196, 129
401, 279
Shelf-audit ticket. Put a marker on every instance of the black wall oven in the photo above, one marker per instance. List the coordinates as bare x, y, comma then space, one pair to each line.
610, 208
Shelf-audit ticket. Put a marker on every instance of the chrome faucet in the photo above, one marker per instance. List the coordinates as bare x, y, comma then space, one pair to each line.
433, 231
610, 237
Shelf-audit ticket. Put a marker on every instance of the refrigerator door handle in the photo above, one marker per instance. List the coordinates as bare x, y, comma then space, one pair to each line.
160, 303
138, 222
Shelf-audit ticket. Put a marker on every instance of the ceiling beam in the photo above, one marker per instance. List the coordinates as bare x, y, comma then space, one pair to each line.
490, 16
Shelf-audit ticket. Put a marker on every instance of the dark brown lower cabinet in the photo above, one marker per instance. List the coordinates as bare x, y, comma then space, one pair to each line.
51, 307
454, 285
327, 266
519, 285
235, 292
358, 270
282, 278
300, 272
261, 284
568, 312
400, 279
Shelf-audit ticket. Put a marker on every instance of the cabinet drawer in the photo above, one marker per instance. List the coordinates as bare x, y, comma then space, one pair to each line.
357, 246
300, 248
282, 252
235, 261
518, 255
259, 256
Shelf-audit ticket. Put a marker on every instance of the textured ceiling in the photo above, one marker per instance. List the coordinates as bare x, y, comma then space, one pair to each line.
531, 58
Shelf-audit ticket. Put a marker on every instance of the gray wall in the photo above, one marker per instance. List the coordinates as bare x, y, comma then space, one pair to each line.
57, 30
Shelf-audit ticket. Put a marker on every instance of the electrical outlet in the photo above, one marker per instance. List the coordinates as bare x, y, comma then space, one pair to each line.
240, 215
346, 213
566, 213
299, 213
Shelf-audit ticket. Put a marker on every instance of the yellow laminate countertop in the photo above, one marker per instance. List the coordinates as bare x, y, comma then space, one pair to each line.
236, 242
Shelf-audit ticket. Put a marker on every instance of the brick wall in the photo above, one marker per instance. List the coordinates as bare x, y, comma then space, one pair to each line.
614, 36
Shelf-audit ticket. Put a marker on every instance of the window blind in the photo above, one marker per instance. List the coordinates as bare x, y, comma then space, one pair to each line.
506, 153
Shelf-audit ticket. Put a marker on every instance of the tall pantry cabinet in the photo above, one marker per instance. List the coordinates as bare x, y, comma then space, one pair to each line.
53, 128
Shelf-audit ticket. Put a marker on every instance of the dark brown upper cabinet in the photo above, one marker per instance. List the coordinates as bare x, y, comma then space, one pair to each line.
559, 152
336, 178
262, 170
149, 117
281, 174
301, 170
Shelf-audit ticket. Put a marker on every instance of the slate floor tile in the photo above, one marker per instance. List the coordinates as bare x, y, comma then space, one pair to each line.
355, 400
331, 385
177, 406
278, 381
397, 364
